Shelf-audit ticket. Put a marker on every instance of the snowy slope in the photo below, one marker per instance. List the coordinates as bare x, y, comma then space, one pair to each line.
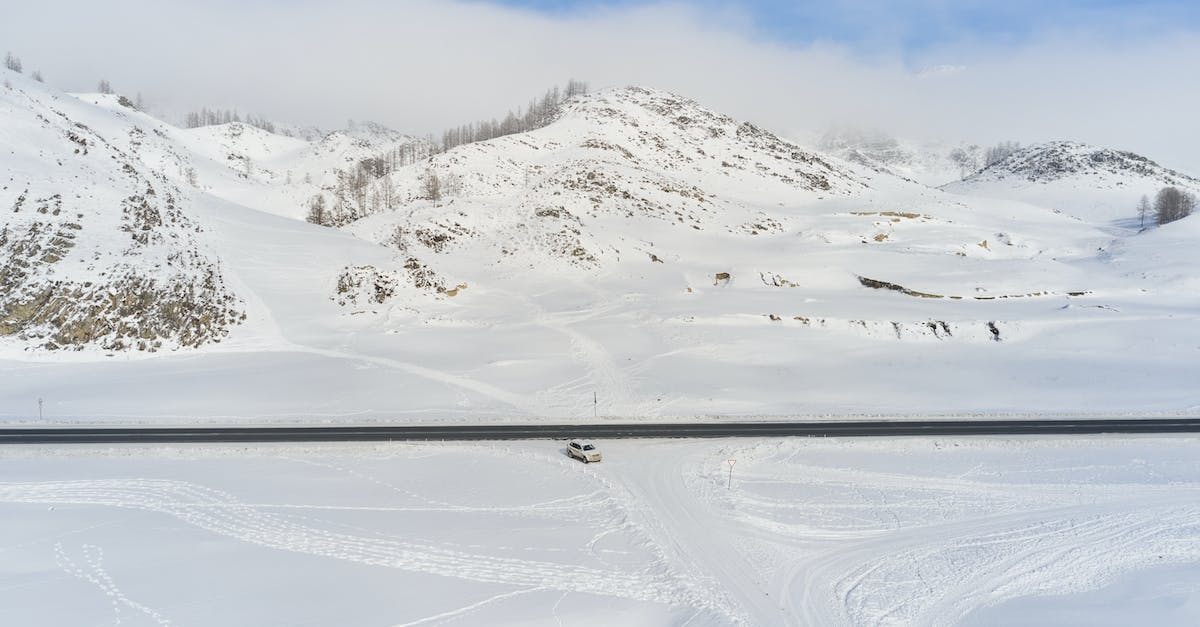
249, 166
98, 250
665, 258
1097, 185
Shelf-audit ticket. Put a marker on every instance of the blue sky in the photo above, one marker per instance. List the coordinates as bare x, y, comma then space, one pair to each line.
912, 27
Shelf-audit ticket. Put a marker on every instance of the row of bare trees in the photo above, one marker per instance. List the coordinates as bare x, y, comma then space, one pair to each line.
539, 113
973, 158
403, 155
213, 117
1170, 204
367, 187
352, 198
13, 62
357, 194
999, 152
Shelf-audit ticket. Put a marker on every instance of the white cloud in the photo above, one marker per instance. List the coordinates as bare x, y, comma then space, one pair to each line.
420, 65
939, 71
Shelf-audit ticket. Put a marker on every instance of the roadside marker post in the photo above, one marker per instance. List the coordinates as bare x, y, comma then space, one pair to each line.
731, 462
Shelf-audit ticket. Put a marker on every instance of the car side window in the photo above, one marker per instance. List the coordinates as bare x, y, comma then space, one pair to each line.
574, 445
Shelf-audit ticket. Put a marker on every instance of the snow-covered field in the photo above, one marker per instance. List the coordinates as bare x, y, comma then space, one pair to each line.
918, 531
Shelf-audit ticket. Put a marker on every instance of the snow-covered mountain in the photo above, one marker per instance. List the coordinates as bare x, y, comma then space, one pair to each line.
624, 174
1098, 185
640, 248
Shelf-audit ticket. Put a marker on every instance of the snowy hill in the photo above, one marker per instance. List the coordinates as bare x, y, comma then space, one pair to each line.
280, 173
668, 259
633, 177
1098, 185
97, 249
618, 172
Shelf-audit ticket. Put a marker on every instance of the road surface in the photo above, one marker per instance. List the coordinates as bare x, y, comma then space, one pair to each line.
872, 428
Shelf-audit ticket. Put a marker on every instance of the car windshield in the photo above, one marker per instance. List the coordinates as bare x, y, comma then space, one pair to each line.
588, 447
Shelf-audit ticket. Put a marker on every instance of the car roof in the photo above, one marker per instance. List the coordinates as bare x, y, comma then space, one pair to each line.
578, 441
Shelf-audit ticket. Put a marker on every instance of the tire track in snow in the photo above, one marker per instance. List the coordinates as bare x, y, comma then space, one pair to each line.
937, 575
221, 513
577, 507
517, 401
604, 376
692, 540
863, 547
956, 545
468, 609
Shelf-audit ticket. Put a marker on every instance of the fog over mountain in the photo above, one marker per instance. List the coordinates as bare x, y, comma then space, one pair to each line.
420, 66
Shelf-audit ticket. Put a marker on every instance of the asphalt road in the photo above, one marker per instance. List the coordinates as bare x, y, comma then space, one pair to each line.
873, 428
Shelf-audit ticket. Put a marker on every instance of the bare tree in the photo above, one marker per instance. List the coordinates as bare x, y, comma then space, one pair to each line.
431, 185
999, 153
386, 193
13, 62
104, 87
575, 88
316, 211
37, 76
966, 159
1171, 204
452, 185
1143, 211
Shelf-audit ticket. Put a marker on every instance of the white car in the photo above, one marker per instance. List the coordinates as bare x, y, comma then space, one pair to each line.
585, 452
